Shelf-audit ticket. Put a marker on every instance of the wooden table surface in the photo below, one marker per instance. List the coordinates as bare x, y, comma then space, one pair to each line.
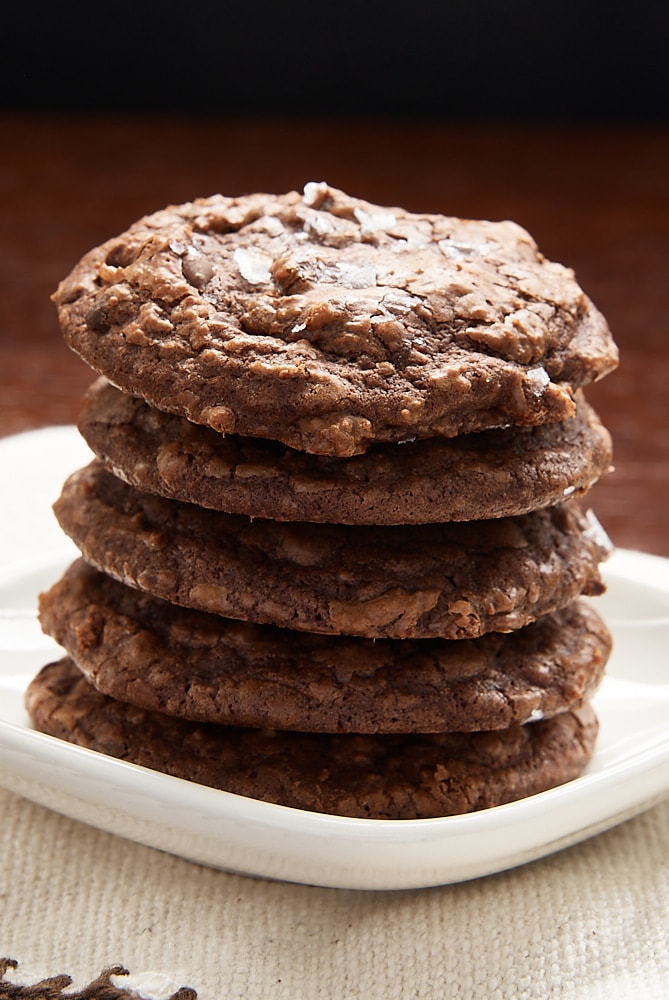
595, 198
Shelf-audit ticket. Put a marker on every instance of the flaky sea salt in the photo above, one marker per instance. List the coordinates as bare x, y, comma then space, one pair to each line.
373, 222
398, 303
356, 275
314, 191
254, 265
596, 532
320, 224
537, 378
459, 251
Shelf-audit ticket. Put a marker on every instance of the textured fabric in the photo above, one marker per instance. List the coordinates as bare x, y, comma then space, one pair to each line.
588, 923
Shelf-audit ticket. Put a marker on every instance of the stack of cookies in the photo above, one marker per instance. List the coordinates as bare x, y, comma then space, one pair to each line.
333, 548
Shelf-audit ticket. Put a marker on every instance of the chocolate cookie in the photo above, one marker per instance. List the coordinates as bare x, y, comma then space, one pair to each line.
368, 776
211, 669
496, 473
446, 580
329, 323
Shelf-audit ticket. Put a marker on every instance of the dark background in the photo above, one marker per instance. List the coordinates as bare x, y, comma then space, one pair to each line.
551, 114
479, 60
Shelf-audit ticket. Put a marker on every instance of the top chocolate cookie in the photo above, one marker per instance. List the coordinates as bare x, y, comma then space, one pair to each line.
329, 323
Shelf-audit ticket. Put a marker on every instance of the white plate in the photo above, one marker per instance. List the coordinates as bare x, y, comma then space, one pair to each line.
629, 772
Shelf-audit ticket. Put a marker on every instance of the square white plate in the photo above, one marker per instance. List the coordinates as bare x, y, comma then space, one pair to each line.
629, 771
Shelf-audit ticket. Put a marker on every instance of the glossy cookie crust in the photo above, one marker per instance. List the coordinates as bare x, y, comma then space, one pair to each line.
329, 323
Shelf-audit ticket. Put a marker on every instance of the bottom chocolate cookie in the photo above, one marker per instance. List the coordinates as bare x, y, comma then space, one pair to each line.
377, 777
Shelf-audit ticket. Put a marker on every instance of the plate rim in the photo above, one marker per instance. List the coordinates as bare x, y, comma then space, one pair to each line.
643, 773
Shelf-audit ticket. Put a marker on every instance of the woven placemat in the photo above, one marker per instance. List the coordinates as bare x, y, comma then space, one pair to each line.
588, 923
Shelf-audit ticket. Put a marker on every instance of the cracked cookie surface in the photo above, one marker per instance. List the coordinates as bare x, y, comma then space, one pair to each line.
454, 580
211, 669
329, 323
495, 473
